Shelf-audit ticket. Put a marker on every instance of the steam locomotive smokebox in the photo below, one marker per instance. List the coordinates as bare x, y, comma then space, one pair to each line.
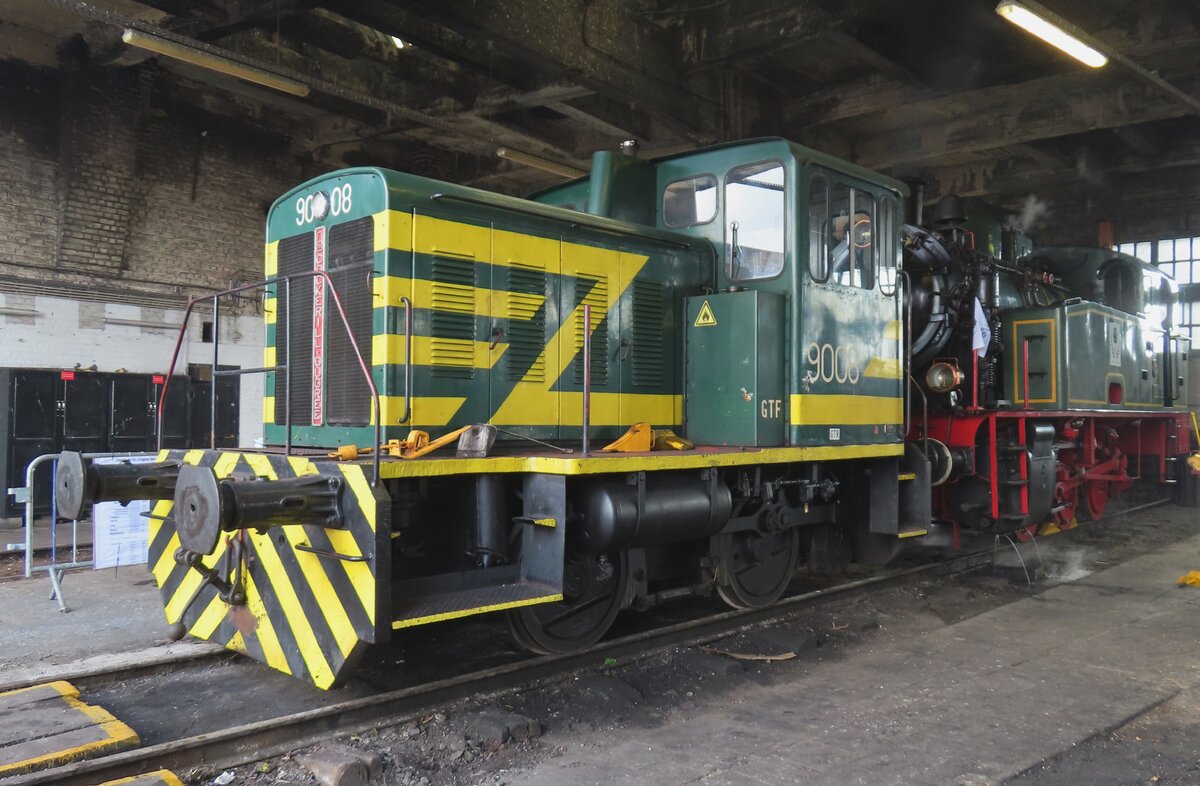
735, 369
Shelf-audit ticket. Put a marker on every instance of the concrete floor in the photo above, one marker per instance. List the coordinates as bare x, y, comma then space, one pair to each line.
971, 703
110, 611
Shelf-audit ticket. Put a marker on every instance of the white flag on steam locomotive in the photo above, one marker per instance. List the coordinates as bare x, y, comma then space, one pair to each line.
982, 335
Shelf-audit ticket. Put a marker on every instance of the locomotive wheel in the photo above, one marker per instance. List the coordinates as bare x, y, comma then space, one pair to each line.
1095, 499
593, 590
754, 569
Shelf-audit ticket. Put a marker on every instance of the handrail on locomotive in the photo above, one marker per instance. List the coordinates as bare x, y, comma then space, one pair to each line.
285, 367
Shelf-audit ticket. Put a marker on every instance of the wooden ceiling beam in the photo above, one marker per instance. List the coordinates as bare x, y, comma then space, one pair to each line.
598, 45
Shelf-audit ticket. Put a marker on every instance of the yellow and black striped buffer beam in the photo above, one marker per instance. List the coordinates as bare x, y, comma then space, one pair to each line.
314, 596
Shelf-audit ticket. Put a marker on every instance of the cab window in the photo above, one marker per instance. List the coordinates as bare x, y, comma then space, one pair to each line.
690, 202
755, 212
818, 228
887, 245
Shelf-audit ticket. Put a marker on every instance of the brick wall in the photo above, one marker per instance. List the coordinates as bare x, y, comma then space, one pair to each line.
104, 186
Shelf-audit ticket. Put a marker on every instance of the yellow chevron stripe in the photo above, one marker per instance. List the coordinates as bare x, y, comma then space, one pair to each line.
264, 630
293, 611
209, 619
454, 298
326, 596
391, 348
223, 466
166, 561
310, 564
236, 643
343, 540
161, 509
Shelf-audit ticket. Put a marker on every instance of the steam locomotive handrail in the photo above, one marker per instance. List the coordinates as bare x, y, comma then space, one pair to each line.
214, 297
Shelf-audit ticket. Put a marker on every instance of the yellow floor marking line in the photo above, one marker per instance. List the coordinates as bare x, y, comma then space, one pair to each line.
46, 739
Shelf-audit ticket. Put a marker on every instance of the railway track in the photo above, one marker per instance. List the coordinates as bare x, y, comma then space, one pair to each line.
264, 739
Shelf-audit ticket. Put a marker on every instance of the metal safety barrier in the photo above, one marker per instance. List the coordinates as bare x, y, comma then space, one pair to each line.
25, 495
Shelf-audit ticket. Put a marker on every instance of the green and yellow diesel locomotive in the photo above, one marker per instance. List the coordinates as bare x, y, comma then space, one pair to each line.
797, 375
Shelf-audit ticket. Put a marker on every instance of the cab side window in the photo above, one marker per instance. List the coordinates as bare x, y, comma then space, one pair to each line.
887, 245
690, 202
818, 228
755, 212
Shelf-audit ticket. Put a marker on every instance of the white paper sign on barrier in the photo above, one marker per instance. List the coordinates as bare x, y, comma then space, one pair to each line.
120, 532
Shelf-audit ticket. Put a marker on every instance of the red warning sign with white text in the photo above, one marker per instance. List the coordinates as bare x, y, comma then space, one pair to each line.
318, 330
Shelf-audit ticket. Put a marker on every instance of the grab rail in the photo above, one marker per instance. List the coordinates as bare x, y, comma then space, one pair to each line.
215, 297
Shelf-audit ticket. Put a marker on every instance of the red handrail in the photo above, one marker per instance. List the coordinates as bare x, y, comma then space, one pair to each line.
337, 301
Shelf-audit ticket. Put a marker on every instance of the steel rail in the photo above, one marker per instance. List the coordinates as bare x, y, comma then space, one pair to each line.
276, 736
263, 739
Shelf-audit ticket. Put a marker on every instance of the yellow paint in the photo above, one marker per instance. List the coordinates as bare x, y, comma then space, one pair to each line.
441, 237
907, 476
912, 533
883, 368
343, 541
269, 409
264, 630
453, 615
392, 348
894, 330
551, 523
269, 309
606, 463
236, 643
117, 736
268, 357
209, 619
705, 318
166, 776
451, 298
393, 230
426, 410
845, 410
531, 402
293, 612
271, 265
1019, 359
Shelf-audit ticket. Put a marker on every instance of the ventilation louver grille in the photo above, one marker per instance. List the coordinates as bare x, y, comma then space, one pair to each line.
295, 256
351, 260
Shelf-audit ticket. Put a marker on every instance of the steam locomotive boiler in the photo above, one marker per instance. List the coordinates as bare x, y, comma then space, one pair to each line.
445, 365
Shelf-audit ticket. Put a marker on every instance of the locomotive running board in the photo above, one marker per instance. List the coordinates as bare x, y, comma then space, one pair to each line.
314, 597
537, 578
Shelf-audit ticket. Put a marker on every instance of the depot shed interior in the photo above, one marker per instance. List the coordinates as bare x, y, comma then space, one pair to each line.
134, 179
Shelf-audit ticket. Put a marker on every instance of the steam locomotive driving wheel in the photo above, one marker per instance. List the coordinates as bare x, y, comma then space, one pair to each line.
753, 568
594, 588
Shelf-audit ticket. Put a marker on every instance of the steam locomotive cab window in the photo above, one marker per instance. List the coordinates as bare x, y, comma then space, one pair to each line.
755, 212
690, 202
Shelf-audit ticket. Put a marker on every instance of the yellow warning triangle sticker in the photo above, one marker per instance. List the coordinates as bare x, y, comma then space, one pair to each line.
705, 318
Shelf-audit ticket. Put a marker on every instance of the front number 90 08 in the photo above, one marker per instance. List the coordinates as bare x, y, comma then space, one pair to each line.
314, 207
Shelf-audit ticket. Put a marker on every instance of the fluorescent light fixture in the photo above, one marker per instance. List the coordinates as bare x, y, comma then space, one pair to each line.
399, 42
221, 65
1051, 33
537, 162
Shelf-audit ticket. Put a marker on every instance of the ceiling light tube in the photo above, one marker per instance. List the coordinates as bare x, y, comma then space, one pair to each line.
197, 57
1051, 33
537, 162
